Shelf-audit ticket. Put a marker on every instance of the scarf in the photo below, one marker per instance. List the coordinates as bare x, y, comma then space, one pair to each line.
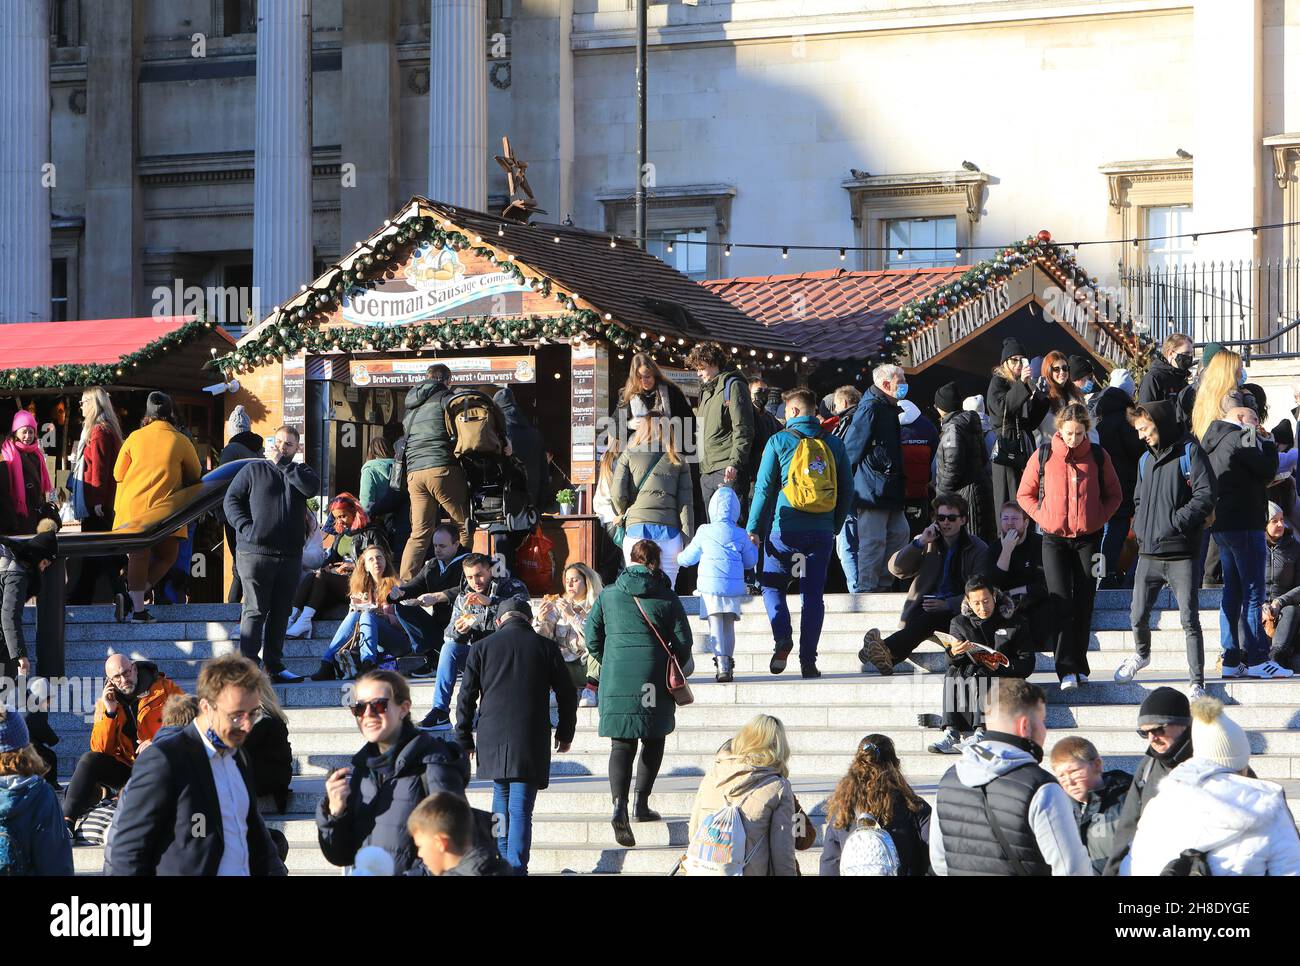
11, 453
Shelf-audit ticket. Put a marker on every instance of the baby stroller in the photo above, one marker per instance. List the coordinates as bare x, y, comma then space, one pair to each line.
498, 502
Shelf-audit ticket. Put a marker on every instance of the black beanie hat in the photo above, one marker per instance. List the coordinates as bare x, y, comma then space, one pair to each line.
1165, 706
1081, 366
515, 605
948, 398
1011, 347
159, 405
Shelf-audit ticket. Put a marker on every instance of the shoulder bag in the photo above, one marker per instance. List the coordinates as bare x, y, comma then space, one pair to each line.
676, 682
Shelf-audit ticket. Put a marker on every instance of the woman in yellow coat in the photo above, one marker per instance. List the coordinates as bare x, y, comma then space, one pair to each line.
155, 461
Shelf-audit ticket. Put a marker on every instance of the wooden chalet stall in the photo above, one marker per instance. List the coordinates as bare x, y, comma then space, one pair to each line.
552, 311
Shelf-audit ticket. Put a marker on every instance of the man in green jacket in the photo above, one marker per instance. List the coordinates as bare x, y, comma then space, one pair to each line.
724, 423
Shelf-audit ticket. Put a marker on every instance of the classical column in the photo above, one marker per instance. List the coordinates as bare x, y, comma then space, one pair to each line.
112, 272
282, 239
458, 148
370, 109
25, 184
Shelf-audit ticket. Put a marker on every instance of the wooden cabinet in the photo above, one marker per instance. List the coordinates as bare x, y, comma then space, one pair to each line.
575, 538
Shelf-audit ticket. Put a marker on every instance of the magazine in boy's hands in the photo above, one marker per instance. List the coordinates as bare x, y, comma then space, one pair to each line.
985, 655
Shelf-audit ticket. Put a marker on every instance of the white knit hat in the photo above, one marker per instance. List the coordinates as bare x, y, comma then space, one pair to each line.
1217, 737
1122, 379
238, 421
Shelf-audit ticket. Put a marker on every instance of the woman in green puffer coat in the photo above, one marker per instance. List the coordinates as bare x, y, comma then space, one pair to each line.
634, 701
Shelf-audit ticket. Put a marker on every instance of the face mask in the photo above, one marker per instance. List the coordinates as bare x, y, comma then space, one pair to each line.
901, 392
1089, 386
1184, 361
1241, 378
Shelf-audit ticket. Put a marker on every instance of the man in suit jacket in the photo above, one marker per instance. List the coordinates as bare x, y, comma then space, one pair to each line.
514, 672
192, 808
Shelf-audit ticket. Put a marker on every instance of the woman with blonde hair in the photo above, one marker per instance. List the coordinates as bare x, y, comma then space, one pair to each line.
268, 748
1218, 390
93, 489
563, 619
875, 787
751, 772
371, 617
652, 493
34, 839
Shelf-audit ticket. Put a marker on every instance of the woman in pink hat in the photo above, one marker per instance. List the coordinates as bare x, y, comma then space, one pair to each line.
24, 480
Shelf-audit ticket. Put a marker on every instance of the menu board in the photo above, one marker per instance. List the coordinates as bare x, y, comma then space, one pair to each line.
589, 396
294, 383
467, 371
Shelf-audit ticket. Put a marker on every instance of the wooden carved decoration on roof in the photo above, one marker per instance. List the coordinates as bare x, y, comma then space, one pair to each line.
519, 208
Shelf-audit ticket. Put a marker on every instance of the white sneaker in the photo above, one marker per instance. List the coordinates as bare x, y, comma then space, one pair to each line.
1269, 669
1236, 671
1083, 678
949, 744
1129, 668
1195, 691
589, 699
1069, 682
300, 629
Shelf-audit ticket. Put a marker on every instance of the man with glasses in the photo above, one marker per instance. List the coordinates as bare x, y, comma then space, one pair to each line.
267, 506
127, 717
939, 561
436, 586
192, 807
1164, 722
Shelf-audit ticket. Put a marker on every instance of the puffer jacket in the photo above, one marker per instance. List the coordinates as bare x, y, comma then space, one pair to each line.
665, 497
1014, 643
920, 441
109, 737
1170, 509
1243, 824
962, 466
1243, 473
428, 444
34, 839
1118, 438
1281, 566
724, 420
766, 801
874, 448
1077, 499
723, 550
384, 790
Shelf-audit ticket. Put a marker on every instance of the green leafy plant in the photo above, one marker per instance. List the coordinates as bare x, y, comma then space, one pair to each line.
565, 497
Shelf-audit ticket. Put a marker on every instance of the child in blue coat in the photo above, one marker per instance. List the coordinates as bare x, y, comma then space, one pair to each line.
724, 552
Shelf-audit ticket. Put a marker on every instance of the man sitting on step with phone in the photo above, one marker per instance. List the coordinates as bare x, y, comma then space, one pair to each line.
127, 717
940, 561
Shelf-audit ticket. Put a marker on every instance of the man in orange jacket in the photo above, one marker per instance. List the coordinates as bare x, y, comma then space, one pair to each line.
127, 716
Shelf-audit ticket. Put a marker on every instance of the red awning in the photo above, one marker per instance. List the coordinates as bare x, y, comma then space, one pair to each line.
26, 345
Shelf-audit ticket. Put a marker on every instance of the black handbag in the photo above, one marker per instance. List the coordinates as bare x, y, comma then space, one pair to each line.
1010, 448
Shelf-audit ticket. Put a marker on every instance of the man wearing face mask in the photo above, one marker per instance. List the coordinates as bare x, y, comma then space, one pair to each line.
1169, 372
998, 811
875, 453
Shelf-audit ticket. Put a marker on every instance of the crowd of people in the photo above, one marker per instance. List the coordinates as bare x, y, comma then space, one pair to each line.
1000, 515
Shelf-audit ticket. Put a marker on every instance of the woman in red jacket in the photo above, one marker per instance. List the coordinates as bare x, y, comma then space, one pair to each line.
1070, 490
93, 489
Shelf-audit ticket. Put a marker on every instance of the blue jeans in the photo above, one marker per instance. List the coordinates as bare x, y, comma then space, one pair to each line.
422, 627
779, 565
512, 817
1243, 553
376, 635
451, 661
846, 548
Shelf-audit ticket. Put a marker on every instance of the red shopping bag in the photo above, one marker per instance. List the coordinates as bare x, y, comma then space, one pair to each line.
535, 562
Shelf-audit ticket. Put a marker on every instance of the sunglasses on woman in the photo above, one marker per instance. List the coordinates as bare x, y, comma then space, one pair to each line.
377, 705
1060, 368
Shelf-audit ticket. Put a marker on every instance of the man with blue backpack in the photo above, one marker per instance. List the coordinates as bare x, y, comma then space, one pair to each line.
1173, 500
802, 495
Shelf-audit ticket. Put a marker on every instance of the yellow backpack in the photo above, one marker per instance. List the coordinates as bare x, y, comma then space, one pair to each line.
811, 484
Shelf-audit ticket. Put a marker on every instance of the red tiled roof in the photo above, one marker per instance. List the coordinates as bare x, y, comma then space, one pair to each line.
27, 345
835, 313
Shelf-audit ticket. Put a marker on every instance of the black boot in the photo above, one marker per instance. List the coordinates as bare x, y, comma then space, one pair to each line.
641, 810
326, 672
622, 827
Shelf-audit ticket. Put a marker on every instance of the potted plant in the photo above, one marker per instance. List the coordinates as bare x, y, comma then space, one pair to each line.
567, 500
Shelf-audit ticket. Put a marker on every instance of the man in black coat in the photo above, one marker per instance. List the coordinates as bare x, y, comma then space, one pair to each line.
267, 506
436, 586
1169, 372
512, 673
192, 804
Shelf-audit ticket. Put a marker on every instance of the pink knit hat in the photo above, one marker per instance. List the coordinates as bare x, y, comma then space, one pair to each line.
23, 418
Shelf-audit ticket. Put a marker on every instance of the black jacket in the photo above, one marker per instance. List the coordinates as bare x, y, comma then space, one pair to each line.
243, 446
481, 861
1014, 405
1099, 816
1162, 383
1170, 510
909, 830
428, 444
171, 787
1281, 568
433, 578
1120, 440
1014, 643
1146, 782
526, 445
384, 790
962, 459
509, 677
268, 750
1243, 473
1024, 570
267, 503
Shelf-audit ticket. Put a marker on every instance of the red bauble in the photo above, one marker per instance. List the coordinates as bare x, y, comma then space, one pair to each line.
1044, 235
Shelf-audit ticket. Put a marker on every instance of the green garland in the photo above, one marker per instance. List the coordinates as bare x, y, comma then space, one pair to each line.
296, 328
81, 376
925, 312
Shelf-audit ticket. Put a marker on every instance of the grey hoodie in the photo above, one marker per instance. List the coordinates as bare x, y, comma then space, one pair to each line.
1051, 814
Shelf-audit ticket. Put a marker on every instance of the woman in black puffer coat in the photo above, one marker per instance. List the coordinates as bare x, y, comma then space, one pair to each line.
962, 462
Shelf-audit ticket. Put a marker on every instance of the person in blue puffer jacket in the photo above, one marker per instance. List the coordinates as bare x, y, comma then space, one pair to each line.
724, 552
34, 840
